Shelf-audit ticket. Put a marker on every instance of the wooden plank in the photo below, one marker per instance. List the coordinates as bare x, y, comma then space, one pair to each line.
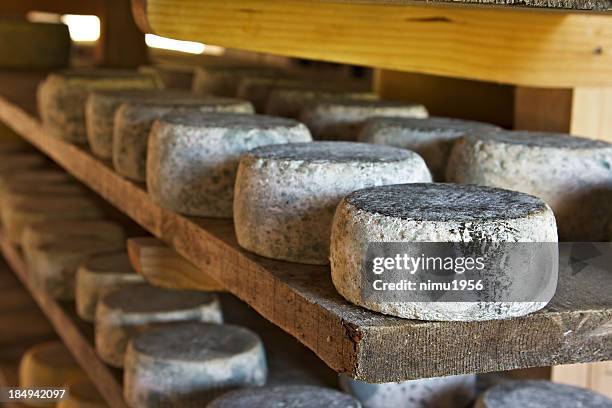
76, 334
301, 299
507, 45
152, 258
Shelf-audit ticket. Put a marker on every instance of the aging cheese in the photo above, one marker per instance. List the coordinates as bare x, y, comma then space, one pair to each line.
193, 158
171, 76
573, 175
433, 212
224, 81
189, 364
286, 195
133, 122
123, 313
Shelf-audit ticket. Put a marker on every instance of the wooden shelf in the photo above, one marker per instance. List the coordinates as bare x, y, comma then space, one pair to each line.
75, 333
512, 45
302, 300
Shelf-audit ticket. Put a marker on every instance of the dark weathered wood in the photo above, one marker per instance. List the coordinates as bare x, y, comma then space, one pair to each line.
301, 299
76, 334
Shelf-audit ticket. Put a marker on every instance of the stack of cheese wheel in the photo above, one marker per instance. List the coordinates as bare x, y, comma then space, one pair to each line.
432, 138
224, 80
440, 392
193, 157
134, 119
123, 313
100, 275
286, 195
189, 364
48, 365
342, 119
409, 213
573, 175
171, 76
540, 394
82, 394
294, 396
61, 97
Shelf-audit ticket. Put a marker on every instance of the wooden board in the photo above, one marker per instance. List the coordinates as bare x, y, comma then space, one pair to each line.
513, 46
300, 299
76, 334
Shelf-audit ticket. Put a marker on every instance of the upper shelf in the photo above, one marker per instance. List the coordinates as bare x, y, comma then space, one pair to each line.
301, 298
512, 45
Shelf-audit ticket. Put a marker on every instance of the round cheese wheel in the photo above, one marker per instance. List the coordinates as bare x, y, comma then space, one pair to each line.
123, 313
32, 46
47, 232
53, 266
573, 175
440, 392
193, 158
187, 365
100, 275
286, 195
133, 122
540, 394
432, 138
48, 365
342, 119
224, 81
82, 394
171, 76
61, 97
436, 213
294, 396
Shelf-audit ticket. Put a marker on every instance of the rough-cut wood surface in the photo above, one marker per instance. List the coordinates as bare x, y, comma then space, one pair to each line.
76, 334
509, 45
575, 327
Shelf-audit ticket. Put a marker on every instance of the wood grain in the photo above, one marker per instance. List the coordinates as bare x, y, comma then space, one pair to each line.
575, 327
507, 45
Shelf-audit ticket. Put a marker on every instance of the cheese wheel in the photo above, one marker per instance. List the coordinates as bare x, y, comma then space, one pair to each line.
193, 158
100, 275
17, 214
432, 138
61, 97
53, 266
286, 195
123, 313
187, 365
171, 76
100, 109
289, 102
32, 46
437, 213
573, 175
540, 394
48, 365
82, 394
47, 232
133, 122
342, 119
440, 392
224, 81
294, 396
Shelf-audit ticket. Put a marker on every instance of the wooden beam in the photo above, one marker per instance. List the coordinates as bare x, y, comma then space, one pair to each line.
510, 45
158, 262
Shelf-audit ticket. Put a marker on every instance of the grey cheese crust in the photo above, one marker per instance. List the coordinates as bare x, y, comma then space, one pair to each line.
193, 159
134, 121
433, 213
294, 396
123, 313
342, 119
187, 365
286, 195
61, 97
573, 175
432, 138
540, 394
